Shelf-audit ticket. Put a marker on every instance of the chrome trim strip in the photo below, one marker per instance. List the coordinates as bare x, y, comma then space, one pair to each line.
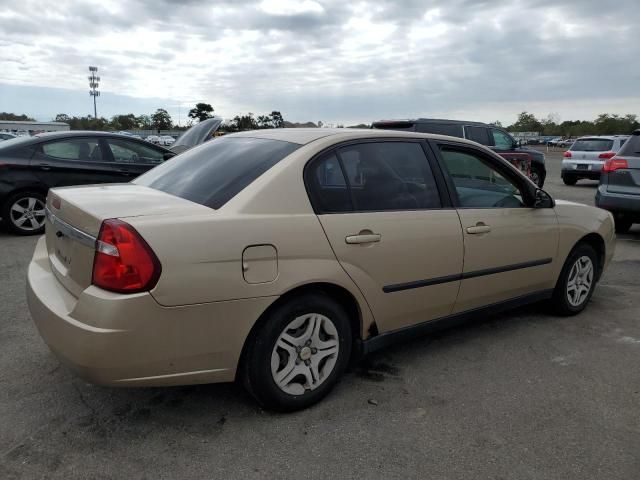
69, 230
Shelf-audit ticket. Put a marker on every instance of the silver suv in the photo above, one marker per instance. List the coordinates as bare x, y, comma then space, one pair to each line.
586, 157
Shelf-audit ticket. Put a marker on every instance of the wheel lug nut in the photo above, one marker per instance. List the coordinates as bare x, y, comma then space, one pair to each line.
307, 362
314, 350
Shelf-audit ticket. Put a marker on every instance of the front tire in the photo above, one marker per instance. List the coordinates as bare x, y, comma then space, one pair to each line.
577, 281
536, 176
24, 213
297, 355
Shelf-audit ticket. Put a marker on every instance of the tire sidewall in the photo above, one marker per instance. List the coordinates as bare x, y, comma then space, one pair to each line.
560, 294
258, 362
6, 212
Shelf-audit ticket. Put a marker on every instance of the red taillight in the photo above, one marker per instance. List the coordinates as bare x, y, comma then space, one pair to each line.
607, 155
567, 154
615, 163
124, 262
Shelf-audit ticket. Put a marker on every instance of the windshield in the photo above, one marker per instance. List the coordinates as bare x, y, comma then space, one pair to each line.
592, 145
213, 173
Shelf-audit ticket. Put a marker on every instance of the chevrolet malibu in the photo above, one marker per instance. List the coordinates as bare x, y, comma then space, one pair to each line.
274, 257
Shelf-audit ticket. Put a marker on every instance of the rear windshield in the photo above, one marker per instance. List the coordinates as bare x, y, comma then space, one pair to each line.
592, 145
631, 147
213, 173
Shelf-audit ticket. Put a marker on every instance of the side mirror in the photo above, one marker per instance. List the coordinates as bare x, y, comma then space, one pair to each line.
543, 200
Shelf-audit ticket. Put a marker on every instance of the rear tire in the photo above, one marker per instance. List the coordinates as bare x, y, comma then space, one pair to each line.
298, 354
569, 180
536, 176
577, 281
24, 214
622, 225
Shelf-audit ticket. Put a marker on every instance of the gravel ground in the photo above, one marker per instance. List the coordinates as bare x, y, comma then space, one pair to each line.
523, 395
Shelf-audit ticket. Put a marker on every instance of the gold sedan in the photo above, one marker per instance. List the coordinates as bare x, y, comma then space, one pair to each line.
276, 256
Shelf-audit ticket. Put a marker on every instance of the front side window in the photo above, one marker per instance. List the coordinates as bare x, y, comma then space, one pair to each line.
478, 184
501, 140
213, 173
133, 152
81, 149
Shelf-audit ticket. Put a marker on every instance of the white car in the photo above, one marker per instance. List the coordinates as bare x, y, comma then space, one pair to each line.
166, 140
153, 139
586, 156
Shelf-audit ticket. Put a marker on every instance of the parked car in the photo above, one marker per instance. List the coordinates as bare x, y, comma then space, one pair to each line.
166, 140
275, 256
6, 136
586, 156
199, 133
567, 142
155, 139
496, 138
619, 189
29, 166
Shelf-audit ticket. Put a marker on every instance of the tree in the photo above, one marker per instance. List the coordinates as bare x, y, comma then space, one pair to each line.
527, 122
144, 122
124, 122
201, 111
14, 117
243, 122
276, 119
161, 120
263, 121
497, 123
62, 117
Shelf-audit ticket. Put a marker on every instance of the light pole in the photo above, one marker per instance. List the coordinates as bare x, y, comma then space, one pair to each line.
93, 85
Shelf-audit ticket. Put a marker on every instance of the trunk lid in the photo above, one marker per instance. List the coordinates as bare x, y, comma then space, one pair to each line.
625, 180
75, 214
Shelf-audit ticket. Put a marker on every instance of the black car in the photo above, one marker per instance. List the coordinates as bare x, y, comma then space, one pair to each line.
29, 166
496, 138
619, 189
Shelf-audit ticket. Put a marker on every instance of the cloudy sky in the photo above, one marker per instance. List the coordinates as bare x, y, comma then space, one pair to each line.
335, 61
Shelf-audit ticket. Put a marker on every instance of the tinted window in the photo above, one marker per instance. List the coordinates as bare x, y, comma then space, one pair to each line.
631, 147
592, 145
83, 149
213, 173
327, 186
20, 147
389, 176
477, 134
133, 152
477, 183
451, 129
501, 140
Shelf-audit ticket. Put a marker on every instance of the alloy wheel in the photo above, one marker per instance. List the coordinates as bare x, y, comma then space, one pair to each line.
27, 213
580, 281
305, 354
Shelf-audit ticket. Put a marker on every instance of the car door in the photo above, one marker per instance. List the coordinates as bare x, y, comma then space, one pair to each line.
132, 158
510, 247
71, 161
391, 230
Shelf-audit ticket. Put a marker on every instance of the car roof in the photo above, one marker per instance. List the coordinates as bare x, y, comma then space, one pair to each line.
302, 136
603, 137
432, 120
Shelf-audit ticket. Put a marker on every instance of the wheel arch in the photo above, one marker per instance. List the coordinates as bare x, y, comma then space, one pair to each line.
339, 293
595, 241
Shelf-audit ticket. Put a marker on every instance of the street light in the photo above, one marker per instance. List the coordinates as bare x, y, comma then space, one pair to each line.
93, 85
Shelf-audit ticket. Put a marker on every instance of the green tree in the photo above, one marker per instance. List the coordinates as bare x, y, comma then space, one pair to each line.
144, 122
161, 120
263, 121
276, 119
243, 122
201, 112
14, 117
527, 122
124, 122
62, 117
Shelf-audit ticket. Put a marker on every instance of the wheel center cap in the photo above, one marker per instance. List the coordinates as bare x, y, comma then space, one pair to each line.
305, 353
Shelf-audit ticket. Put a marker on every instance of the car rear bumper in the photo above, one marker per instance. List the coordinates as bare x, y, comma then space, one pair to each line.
618, 203
131, 340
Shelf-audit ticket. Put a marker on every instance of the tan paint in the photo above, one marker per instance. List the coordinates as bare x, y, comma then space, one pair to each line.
192, 326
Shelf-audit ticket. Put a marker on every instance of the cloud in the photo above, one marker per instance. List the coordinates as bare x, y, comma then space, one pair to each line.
333, 60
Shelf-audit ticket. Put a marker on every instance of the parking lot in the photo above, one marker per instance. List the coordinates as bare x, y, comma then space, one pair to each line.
520, 395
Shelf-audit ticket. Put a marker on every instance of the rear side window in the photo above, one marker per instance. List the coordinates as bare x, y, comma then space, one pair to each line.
631, 147
477, 134
592, 145
81, 149
451, 129
379, 176
213, 173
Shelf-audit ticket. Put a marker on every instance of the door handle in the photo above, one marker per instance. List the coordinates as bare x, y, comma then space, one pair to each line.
363, 237
479, 228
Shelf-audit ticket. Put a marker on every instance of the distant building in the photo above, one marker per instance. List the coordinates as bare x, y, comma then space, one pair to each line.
32, 127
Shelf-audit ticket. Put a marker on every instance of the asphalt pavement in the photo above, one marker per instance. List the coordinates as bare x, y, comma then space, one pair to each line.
522, 395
